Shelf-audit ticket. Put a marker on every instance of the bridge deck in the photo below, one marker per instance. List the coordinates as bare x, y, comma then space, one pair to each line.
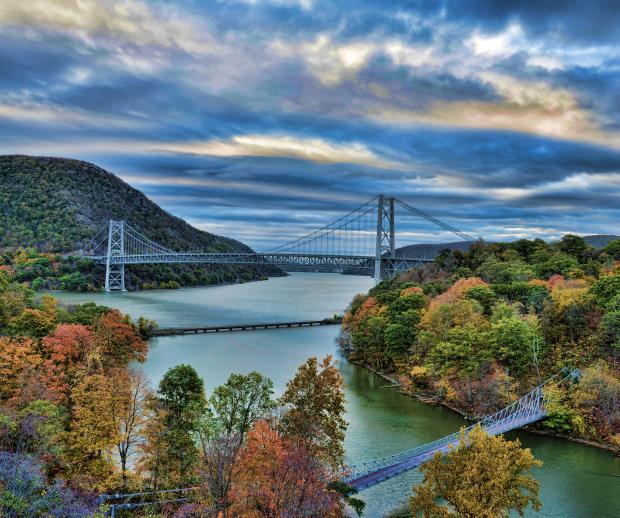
167, 331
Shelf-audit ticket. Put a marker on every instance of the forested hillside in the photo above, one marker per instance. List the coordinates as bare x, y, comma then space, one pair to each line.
53, 206
478, 329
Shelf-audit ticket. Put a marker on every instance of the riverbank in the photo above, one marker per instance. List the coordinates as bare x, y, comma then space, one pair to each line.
428, 400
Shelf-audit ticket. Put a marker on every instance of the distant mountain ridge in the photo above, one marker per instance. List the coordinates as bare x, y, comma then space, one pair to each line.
58, 204
431, 250
600, 240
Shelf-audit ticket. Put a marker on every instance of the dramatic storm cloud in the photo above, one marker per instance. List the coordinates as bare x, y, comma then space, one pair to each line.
263, 119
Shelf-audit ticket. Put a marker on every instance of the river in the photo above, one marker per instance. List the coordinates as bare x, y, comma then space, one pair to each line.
576, 481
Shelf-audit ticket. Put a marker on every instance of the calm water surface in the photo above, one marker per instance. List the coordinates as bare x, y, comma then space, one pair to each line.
576, 481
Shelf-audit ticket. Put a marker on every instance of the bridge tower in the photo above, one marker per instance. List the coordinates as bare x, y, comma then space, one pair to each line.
386, 242
115, 272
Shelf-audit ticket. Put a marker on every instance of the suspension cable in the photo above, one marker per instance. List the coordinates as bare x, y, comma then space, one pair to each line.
327, 229
434, 220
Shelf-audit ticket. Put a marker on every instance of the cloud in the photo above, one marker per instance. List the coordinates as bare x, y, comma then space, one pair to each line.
502, 44
524, 106
130, 21
283, 114
313, 149
40, 113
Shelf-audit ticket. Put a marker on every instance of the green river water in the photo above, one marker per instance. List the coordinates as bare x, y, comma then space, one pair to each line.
576, 481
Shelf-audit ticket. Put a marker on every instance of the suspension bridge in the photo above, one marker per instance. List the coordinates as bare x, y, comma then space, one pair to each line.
526, 410
362, 241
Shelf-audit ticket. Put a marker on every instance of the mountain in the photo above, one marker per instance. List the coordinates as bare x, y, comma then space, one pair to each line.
56, 205
600, 240
430, 250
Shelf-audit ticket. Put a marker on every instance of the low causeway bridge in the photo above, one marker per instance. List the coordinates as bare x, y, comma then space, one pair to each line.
168, 331
362, 241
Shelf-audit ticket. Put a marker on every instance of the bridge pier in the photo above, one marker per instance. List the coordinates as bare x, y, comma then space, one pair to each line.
115, 277
386, 241
115, 272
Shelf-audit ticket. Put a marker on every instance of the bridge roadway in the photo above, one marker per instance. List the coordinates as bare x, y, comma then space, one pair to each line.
168, 331
360, 262
419, 458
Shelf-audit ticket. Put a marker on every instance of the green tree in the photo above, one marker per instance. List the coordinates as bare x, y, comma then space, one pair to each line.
183, 402
526, 248
482, 477
572, 245
610, 330
484, 295
466, 349
512, 339
561, 414
75, 281
368, 340
613, 249
314, 409
414, 301
606, 289
495, 271
557, 264
398, 339
241, 401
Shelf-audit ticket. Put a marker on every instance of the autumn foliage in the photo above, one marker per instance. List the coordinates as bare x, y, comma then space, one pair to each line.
278, 477
457, 291
482, 476
65, 385
488, 325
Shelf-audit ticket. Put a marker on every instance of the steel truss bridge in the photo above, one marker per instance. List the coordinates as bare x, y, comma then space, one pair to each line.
362, 241
526, 410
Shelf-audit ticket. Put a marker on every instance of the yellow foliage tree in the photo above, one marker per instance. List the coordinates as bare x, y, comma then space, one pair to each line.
439, 319
482, 477
93, 433
17, 356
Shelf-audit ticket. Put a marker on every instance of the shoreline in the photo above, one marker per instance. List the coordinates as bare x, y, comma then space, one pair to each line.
215, 285
427, 401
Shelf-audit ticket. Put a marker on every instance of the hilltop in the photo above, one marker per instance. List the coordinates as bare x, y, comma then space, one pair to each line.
55, 205
431, 250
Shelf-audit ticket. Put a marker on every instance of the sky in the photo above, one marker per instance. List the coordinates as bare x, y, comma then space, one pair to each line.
264, 119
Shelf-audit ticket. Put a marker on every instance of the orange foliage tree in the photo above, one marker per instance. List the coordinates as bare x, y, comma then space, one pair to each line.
277, 477
68, 349
17, 357
118, 340
457, 291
